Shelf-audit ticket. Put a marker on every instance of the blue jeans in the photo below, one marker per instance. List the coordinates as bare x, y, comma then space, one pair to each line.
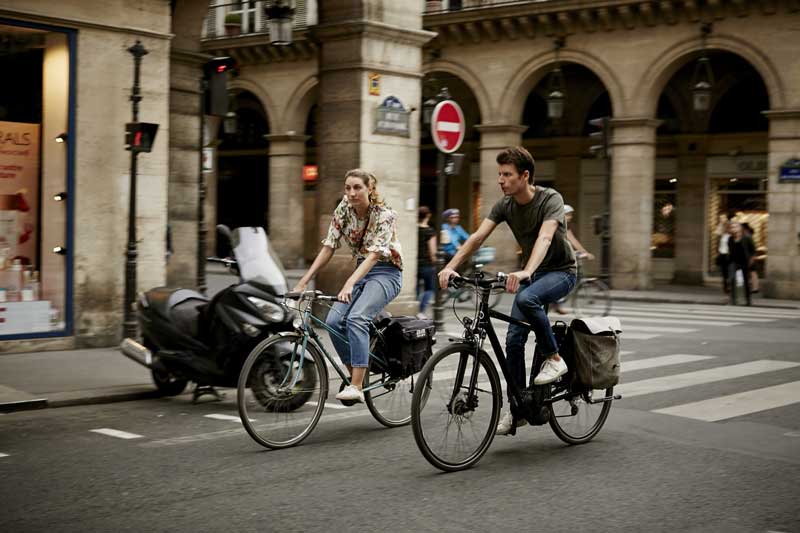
351, 320
426, 274
530, 305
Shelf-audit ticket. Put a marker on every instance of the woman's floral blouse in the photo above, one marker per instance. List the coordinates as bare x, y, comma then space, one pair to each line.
380, 236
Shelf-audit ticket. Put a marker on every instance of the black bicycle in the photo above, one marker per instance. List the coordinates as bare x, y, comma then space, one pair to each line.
454, 416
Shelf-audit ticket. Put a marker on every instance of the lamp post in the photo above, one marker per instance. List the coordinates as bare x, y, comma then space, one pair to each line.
138, 51
556, 91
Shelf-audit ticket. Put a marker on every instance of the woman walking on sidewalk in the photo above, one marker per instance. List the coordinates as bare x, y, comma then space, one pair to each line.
370, 229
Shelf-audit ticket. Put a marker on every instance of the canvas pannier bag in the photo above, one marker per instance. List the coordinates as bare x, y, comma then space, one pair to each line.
404, 345
594, 347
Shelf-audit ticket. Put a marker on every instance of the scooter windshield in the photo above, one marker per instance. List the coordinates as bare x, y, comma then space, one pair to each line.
257, 260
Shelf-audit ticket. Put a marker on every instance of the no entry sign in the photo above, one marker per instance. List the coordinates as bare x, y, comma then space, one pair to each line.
447, 126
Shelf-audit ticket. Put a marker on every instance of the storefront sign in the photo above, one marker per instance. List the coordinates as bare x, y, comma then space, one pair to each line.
374, 84
19, 189
392, 118
789, 171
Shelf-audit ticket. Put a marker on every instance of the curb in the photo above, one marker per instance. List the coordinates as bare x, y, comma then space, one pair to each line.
84, 397
679, 300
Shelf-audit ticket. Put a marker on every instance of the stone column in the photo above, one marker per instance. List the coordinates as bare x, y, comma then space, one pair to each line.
632, 171
783, 201
495, 138
690, 218
357, 40
286, 157
184, 165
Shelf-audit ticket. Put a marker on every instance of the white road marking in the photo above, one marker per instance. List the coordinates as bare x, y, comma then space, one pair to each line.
3, 455
687, 316
329, 404
664, 360
739, 404
638, 336
655, 329
688, 322
714, 310
226, 417
701, 377
116, 433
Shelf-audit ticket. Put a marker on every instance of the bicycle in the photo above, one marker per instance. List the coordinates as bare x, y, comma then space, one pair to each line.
283, 385
590, 296
454, 422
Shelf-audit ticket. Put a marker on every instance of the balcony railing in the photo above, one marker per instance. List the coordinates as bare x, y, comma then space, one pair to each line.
437, 6
226, 19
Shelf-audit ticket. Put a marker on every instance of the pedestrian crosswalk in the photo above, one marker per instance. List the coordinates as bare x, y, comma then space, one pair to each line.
716, 379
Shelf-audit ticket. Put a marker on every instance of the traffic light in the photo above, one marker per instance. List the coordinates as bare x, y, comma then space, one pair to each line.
600, 139
216, 74
139, 136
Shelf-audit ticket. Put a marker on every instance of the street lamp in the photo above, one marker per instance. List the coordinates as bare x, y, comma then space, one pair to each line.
555, 93
279, 20
703, 77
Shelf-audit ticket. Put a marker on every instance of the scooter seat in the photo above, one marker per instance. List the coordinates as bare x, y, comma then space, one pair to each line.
179, 306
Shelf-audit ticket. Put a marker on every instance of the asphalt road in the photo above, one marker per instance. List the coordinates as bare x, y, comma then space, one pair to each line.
690, 447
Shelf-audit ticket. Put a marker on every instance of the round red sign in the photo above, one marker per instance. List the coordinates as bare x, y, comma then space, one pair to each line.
447, 126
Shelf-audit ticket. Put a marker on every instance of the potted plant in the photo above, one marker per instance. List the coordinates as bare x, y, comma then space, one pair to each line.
233, 24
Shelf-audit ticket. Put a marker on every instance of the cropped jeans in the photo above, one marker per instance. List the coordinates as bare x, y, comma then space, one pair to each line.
351, 320
530, 305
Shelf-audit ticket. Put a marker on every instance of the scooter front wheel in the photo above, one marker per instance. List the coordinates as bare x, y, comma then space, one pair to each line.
282, 389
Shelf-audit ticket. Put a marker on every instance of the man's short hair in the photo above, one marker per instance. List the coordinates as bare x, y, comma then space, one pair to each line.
520, 158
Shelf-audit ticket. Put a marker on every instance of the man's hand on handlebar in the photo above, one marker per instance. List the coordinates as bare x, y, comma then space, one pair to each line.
444, 276
515, 279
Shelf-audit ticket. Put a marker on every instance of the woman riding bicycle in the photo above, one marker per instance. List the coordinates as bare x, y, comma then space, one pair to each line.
535, 216
370, 229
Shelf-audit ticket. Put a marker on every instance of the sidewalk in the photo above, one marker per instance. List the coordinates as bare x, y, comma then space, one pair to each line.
78, 377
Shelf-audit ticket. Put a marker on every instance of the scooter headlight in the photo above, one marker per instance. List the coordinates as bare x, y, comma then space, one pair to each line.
268, 310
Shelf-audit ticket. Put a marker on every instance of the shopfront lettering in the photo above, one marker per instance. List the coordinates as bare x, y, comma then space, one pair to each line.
15, 138
752, 165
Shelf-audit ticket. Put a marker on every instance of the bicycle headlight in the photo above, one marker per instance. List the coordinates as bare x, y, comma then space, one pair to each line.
268, 310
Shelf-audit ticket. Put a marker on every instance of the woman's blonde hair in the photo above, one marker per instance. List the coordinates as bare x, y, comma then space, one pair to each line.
370, 181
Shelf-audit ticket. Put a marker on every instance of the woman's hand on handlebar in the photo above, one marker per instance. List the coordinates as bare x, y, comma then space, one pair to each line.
300, 287
444, 276
515, 279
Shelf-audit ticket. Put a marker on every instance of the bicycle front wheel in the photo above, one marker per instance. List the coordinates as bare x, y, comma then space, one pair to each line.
453, 426
282, 391
592, 298
577, 420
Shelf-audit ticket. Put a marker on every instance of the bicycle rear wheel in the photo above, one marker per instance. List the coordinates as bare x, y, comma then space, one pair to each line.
576, 420
592, 298
282, 391
453, 428
390, 402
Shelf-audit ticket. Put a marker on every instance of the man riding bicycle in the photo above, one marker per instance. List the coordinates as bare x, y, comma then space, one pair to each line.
536, 218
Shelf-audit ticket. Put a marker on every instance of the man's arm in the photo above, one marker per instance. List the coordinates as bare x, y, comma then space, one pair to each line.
540, 248
576, 244
467, 249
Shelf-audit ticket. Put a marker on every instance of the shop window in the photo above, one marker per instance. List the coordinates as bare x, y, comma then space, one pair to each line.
742, 200
34, 144
662, 239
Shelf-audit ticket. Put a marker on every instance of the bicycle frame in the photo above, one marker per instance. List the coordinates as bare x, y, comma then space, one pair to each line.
307, 332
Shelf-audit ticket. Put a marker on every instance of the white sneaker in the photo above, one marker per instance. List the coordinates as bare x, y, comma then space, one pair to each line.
505, 424
551, 371
351, 393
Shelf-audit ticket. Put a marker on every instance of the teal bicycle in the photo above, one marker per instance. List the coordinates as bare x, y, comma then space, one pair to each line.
283, 385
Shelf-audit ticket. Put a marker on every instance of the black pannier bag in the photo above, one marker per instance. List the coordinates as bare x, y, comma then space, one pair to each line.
592, 349
404, 345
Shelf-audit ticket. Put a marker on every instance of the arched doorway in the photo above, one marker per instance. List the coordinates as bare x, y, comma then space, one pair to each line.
243, 166
711, 166
560, 147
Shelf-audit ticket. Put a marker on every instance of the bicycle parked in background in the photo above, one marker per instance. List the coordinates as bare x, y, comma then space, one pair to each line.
590, 297
283, 385
455, 415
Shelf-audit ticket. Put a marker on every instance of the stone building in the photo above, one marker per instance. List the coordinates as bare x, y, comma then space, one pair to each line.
307, 112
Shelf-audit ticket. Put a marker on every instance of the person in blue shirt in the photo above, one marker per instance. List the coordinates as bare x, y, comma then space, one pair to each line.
455, 233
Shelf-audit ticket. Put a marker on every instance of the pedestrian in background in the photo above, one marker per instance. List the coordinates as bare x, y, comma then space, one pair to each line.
453, 235
723, 253
753, 274
742, 253
426, 260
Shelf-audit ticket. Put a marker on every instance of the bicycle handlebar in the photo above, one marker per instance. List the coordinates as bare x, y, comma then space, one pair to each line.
222, 260
487, 283
310, 295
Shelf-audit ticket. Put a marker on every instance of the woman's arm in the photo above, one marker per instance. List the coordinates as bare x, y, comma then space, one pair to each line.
432, 248
366, 265
319, 263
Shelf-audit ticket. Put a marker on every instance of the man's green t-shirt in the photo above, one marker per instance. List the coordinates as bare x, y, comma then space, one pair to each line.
525, 222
